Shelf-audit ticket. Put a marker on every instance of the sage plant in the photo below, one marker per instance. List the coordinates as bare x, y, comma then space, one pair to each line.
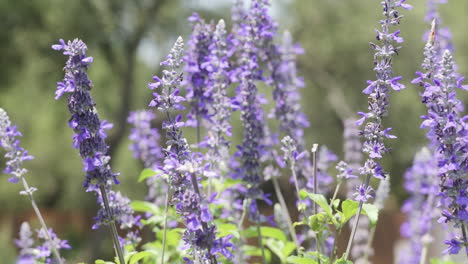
145, 147
31, 253
448, 129
184, 167
90, 135
15, 156
378, 91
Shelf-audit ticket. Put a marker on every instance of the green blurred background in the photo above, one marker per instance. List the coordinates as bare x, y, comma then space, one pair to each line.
127, 40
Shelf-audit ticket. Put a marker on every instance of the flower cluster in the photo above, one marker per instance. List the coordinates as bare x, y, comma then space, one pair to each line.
252, 116
146, 148
29, 253
378, 91
218, 67
184, 167
421, 183
15, 153
197, 67
447, 129
89, 130
90, 133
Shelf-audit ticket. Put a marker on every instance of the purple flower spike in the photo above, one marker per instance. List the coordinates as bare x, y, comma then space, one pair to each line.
378, 91
15, 154
89, 130
183, 168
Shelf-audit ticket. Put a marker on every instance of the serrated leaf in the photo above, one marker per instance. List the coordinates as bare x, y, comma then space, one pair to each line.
322, 202
147, 173
349, 208
300, 260
372, 212
138, 256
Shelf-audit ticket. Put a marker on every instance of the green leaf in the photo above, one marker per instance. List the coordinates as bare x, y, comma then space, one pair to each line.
349, 208
142, 206
335, 203
275, 246
372, 212
147, 173
322, 202
227, 229
288, 248
303, 194
138, 256
342, 261
439, 261
100, 261
300, 260
266, 231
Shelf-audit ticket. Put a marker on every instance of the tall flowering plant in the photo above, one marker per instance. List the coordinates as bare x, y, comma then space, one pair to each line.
89, 138
184, 168
378, 91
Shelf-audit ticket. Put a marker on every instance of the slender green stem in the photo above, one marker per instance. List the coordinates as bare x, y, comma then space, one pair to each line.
41, 220
284, 208
356, 221
113, 228
463, 228
335, 193
333, 252
294, 174
315, 207
260, 241
166, 207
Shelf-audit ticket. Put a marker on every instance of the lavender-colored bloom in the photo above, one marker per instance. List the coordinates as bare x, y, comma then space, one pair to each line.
146, 148
89, 130
219, 111
31, 254
252, 148
184, 168
145, 138
345, 171
199, 90
447, 129
444, 36
364, 193
15, 154
378, 90
421, 183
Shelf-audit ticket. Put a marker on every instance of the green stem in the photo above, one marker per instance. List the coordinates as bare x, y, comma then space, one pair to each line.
356, 221
113, 228
463, 228
41, 220
333, 252
284, 208
315, 207
335, 193
166, 207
